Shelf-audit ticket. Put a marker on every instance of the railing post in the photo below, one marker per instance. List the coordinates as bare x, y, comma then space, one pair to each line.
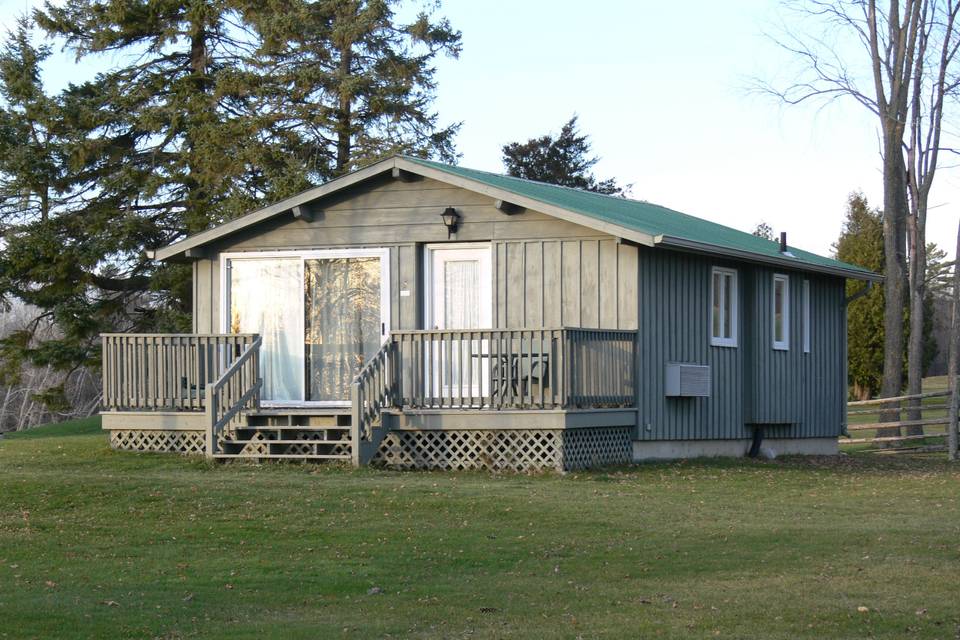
211, 415
356, 411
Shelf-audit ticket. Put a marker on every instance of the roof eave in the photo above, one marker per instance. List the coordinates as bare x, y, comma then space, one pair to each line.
527, 202
790, 263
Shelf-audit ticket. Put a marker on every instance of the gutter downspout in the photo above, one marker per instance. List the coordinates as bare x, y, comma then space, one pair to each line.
859, 294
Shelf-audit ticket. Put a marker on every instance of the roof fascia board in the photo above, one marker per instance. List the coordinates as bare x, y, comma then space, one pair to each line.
700, 247
238, 224
529, 203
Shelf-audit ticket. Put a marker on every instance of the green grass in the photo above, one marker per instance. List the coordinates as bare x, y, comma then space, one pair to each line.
102, 544
79, 427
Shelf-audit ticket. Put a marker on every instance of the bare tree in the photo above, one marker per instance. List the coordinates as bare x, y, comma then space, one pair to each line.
904, 54
22, 395
954, 357
933, 83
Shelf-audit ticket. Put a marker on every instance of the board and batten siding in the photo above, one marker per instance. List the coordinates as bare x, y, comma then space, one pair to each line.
404, 216
565, 283
789, 386
794, 394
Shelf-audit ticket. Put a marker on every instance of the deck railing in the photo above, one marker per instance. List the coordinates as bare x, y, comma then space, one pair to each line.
514, 368
238, 388
165, 372
373, 390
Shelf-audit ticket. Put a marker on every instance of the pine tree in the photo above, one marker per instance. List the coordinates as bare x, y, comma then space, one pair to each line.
763, 230
369, 94
213, 109
861, 243
564, 160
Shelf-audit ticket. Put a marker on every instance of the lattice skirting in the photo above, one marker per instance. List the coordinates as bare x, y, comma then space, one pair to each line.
506, 449
597, 447
165, 441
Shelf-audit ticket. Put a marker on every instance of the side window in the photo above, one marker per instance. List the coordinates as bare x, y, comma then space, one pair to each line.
806, 316
723, 307
781, 311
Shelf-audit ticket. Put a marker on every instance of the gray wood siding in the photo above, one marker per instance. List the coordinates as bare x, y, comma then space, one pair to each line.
573, 283
750, 382
404, 216
387, 212
552, 273
806, 390
206, 296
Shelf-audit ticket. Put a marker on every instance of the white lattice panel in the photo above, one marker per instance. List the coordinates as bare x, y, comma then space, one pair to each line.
165, 441
596, 447
516, 450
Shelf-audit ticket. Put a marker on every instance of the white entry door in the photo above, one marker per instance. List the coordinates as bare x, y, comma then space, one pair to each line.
459, 296
460, 285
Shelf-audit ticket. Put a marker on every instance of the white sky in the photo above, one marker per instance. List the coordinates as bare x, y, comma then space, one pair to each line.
661, 88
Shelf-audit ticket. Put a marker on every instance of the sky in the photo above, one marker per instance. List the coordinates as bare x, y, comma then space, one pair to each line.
663, 91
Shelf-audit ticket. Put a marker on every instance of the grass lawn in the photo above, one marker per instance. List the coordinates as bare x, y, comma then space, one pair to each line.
100, 544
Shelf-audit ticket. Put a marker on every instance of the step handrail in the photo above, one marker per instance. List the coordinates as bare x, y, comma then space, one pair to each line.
238, 388
373, 390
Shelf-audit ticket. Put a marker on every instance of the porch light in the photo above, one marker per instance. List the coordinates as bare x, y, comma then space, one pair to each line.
451, 219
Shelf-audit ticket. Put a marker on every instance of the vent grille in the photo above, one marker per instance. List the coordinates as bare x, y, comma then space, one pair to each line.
687, 380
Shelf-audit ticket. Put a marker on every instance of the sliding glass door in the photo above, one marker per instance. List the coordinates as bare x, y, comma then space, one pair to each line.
343, 323
263, 299
322, 315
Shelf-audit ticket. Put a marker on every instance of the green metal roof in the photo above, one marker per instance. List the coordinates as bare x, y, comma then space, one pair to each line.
668, 227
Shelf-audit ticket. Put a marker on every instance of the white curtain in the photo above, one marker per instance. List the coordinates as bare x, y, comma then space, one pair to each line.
266, 297
461, 295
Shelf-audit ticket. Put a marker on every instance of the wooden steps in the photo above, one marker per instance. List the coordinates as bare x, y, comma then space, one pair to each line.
290, 434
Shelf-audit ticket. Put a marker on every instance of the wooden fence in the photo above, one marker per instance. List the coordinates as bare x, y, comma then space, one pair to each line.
881, 423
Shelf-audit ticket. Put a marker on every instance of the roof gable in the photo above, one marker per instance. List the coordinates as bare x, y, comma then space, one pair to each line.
641, 222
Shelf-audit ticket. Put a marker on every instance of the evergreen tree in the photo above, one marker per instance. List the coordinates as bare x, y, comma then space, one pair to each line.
861, 243
214, 108
564, 160
369, 94
763, 230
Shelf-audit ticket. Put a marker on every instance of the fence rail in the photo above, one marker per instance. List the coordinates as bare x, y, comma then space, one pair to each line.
165, 372
890, 432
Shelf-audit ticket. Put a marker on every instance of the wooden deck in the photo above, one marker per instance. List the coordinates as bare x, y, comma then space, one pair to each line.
497, 398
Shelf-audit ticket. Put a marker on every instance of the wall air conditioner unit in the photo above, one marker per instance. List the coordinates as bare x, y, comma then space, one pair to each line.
687, 380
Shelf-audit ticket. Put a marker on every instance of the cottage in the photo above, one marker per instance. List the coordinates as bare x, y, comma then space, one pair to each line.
419, 315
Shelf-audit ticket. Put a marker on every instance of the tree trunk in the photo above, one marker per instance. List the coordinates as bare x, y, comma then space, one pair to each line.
953, 361
918, 269
198, 216
894, 248
344, 116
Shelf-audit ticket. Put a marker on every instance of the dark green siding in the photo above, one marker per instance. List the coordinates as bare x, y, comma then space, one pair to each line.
794, 394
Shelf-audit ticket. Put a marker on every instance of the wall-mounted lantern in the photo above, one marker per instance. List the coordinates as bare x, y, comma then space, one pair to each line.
451, 219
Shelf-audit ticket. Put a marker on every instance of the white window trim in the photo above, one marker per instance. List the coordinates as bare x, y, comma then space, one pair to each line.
780, 345
806, 316
486, 292
718, 341
306, 254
